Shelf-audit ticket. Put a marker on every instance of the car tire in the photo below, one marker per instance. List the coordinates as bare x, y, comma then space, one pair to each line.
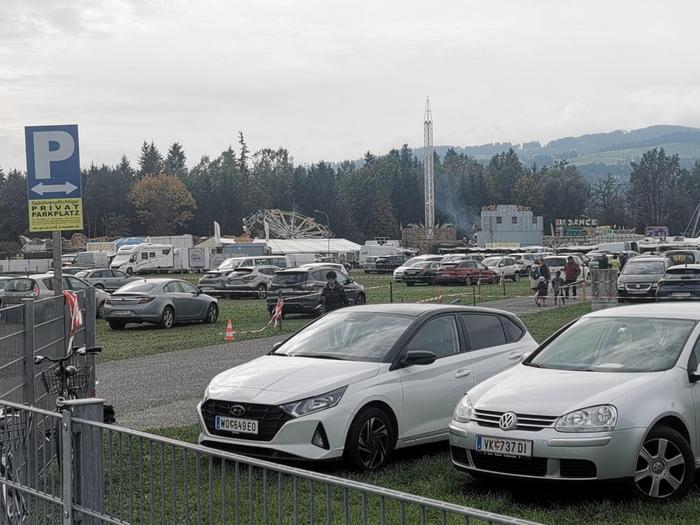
100, 286
468, 281
360, 299
212, 314
116, 325
665, 466
410, 284
516, 277
262, 291
100, 314
167, 318
370, 440
129, 271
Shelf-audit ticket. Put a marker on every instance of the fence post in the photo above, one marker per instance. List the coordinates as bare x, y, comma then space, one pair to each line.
91, 337
67, 467
87, 444
391, 291
29, 391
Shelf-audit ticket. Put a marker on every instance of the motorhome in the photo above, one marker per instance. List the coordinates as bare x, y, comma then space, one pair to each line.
150, 258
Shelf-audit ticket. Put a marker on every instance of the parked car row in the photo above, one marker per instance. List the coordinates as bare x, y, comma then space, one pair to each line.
613, 396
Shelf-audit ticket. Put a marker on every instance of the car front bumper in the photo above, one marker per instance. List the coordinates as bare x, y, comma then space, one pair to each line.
627, 296
555, 455
292, 441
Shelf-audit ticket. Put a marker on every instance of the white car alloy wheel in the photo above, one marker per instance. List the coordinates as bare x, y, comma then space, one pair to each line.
663, 466
370, 439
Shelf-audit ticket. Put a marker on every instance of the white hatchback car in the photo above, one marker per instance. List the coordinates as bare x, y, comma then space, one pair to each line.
614, 395
360, 382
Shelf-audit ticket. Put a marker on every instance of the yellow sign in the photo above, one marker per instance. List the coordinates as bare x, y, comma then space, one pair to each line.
47, 215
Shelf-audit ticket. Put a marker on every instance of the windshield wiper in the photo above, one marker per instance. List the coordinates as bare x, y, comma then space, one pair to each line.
320, 356
534, 365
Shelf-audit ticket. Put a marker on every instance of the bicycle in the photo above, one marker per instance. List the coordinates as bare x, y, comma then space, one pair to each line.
13, 508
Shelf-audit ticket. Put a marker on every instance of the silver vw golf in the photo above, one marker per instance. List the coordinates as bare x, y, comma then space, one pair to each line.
614, 395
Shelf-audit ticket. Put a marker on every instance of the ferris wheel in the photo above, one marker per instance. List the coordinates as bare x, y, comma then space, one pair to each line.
279, 224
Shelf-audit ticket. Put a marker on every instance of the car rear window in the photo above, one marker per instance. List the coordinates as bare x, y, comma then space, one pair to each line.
513, 331
682, 273
290, 277
241, 271
20, 285
138, 287
555, 261
682, 258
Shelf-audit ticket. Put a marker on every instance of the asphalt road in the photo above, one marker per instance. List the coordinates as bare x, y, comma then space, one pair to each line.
163, 390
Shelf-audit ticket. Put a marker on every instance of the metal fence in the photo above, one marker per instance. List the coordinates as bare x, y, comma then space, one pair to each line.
108, 474
39, 327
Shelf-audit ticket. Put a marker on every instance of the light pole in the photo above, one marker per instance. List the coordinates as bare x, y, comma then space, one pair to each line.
328, 229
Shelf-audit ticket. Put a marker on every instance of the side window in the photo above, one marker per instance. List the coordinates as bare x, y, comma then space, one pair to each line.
513, 331
259, 262
438, 335
144, 256
171, 288
470, 264
166, 251
281, 262
48, 282
319, 275
248, 262
74, 284
187, 288
484, 330
694, 360
152, 255
342, 279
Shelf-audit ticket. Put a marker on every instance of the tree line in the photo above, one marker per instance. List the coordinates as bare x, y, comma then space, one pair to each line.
161, 195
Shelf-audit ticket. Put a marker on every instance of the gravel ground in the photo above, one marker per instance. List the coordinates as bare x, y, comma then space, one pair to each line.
163, 390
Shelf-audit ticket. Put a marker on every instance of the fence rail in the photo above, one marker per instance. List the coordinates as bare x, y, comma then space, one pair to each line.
100, 473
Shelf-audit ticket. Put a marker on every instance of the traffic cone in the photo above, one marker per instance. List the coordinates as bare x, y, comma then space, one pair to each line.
229, 332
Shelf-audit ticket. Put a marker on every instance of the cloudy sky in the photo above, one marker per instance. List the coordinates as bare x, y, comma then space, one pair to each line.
332, 79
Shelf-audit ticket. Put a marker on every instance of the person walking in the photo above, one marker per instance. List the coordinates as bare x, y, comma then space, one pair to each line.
557, 285
541, 291
544, 271
571, 273
333, 296
615, 264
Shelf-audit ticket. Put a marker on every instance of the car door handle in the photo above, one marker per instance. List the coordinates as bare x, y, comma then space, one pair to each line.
463, 372
514, 355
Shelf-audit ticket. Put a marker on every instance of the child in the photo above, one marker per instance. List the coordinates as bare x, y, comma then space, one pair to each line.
557, 284
542, 289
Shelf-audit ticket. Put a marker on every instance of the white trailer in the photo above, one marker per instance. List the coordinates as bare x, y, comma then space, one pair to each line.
150, 258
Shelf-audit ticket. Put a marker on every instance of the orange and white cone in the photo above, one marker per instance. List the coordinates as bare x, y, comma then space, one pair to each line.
229, 332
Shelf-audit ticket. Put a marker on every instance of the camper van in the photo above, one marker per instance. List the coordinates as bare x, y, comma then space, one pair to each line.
149, 258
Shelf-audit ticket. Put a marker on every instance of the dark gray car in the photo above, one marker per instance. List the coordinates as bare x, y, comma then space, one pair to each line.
106, 279
164, 302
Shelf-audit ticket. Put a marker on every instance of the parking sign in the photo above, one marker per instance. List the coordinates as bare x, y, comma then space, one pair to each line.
53, 178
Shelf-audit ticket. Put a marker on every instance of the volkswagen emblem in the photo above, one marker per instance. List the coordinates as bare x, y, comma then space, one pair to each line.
508, 421
237, 411
638, 286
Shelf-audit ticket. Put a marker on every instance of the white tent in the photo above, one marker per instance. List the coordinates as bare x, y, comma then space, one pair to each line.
320, 246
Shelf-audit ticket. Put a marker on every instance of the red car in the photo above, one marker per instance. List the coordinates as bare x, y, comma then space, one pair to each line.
465, 272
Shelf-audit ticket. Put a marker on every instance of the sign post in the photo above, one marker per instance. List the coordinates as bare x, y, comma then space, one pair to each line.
53, 186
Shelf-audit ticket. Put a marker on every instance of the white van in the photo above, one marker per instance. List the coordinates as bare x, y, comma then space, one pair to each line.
91, 260
147, 258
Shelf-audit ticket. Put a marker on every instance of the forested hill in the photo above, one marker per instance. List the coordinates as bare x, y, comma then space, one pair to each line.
596, 154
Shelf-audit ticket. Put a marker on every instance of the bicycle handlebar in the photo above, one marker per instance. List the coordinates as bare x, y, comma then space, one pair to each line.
75, 350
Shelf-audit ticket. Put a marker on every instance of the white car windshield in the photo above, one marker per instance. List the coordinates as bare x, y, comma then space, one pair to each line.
121, 259
643, 268
616, 344
348, 336
491, 261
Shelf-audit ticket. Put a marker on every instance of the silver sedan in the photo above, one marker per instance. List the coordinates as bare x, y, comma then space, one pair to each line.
165, 302
615, 395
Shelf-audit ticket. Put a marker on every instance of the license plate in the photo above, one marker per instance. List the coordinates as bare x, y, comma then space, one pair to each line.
680, 294
287, 290
504, 447
234, 424
121, 313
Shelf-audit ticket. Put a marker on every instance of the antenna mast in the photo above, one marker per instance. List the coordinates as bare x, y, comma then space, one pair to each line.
428, 175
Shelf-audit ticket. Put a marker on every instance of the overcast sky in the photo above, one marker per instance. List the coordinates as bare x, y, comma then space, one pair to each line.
333, 79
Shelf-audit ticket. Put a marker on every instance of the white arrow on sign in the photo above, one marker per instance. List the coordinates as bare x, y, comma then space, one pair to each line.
66, 188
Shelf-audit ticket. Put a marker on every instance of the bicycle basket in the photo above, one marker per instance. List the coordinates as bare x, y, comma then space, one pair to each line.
77, 383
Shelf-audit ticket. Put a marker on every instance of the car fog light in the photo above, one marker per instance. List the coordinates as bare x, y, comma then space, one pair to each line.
320, 439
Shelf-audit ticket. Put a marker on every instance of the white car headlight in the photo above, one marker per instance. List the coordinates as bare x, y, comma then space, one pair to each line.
314, 404
464, 410
599, 418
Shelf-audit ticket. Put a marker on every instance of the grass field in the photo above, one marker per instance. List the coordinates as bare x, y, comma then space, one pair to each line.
249, 316
427, 471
